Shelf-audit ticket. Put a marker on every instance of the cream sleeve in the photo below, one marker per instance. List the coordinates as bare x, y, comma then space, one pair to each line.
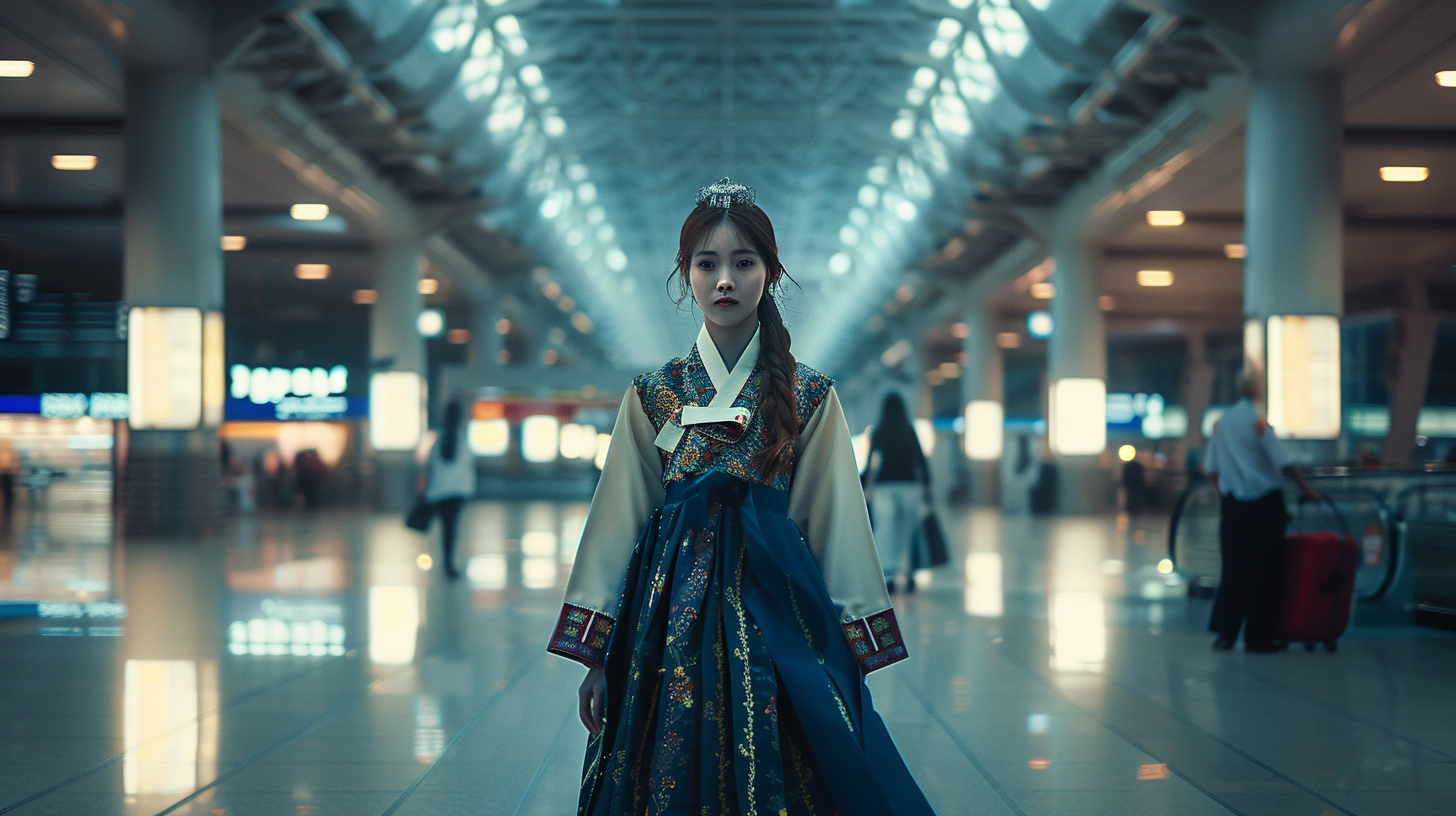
828, 505
629, 490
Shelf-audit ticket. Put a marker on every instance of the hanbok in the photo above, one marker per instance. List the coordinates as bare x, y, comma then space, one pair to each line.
735, 615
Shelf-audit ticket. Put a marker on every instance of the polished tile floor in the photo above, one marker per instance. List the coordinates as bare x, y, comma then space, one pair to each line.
317, 665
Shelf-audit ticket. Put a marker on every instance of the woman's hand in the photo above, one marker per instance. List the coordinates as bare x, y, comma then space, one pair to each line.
591, 699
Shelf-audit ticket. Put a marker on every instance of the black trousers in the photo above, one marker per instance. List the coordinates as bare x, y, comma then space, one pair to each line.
449, 510
1251, 540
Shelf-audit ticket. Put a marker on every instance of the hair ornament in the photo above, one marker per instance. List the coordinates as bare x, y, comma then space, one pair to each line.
725, 194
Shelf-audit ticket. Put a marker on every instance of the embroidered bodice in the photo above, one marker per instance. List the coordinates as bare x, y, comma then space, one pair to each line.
684, 381
694, 416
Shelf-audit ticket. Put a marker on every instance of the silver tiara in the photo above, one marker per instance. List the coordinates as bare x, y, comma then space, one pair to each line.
725, 194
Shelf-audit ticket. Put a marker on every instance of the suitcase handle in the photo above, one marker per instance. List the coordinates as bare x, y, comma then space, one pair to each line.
1334, 511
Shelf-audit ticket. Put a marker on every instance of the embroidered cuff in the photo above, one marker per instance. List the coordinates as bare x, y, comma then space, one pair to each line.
582, 634
876, 641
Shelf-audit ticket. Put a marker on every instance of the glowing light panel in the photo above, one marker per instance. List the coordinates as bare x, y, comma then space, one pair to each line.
1304, 376
1078, 416
164, 368
396, 410
984, 430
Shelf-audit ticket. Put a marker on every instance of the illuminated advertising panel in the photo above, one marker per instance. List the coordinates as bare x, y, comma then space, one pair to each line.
396, 410
984, 429
1078, 416
164, 368
214, 387
1303, 357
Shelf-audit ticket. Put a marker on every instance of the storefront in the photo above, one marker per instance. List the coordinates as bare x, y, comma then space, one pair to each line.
58, 451
292, 436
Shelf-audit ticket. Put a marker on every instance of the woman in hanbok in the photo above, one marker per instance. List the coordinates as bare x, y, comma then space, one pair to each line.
726, 595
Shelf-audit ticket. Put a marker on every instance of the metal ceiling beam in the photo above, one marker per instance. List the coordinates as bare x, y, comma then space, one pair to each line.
53, 126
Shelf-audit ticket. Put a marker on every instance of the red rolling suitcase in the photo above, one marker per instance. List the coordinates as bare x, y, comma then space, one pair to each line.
1319, 585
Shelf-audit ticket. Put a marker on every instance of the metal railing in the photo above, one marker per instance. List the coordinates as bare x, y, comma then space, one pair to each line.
1369, 505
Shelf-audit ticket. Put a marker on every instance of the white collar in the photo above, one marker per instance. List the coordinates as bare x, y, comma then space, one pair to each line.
713, 361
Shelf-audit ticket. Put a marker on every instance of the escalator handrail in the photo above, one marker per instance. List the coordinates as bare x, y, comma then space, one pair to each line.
1388, 517
1398, 501
1193, 487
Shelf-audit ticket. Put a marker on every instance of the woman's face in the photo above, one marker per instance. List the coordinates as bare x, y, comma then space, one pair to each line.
727, 277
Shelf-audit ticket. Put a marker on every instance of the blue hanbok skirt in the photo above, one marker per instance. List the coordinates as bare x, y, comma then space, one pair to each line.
731, 688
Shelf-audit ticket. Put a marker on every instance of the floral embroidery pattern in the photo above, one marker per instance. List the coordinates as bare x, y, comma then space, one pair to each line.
680, 690
582, 635
876, 641
703, 726
721, 446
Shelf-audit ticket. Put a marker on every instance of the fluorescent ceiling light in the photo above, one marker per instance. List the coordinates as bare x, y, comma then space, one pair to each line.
16, 69
309, 212
233, 243
1154, 277
1235, 251
1404, 173
1446, 79
311, 271
428, 286
1043, 290
67, 162
1165, 218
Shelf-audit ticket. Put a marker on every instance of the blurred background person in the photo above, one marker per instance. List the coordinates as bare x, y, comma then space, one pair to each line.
9, 467
1134, 486
311, 472
449, 480
899, 489
1246, 465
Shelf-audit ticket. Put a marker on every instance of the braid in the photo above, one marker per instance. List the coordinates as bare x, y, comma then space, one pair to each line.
777, 404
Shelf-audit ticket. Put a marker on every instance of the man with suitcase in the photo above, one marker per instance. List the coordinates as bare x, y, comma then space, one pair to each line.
1246, 464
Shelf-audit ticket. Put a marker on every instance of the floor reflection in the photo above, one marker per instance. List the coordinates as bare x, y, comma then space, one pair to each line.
324, 664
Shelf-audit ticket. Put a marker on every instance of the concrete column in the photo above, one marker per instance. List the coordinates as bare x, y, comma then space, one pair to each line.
1413, 341
983, 385
1292, 216
172, 257
1292, 206
486, 343
395, 345
1197, 388
1077, 352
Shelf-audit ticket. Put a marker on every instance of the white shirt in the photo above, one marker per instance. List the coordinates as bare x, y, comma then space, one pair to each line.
1245, 453
454, 479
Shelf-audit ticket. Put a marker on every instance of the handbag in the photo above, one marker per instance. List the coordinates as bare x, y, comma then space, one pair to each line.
930, 550
419, 516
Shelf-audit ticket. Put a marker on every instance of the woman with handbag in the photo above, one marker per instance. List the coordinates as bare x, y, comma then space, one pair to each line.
449, 480
899, 490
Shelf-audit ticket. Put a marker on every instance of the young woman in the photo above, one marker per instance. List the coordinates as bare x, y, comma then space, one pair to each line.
899, 489
726, 595
450, 480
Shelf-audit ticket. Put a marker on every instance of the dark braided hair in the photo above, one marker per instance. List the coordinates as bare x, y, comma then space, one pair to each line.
777, 405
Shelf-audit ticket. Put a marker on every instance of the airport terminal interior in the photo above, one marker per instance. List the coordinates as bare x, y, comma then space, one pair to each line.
252, 252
